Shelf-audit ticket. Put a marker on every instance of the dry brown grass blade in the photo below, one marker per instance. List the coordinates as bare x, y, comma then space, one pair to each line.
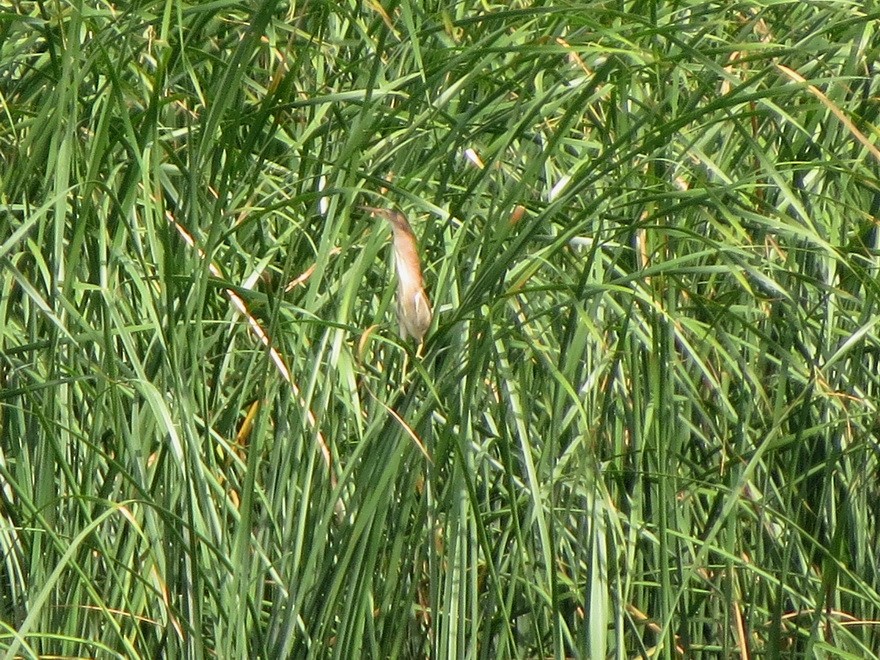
240, 307
836, 111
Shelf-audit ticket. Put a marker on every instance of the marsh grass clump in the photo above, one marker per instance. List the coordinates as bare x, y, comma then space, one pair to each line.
644, 422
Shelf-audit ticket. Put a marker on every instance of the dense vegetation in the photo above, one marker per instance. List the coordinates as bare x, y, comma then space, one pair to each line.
644, 424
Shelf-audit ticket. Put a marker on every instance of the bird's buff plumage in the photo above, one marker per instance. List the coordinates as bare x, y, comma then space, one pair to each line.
413, 306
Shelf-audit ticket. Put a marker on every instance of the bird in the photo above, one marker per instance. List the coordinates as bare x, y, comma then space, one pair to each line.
413, 305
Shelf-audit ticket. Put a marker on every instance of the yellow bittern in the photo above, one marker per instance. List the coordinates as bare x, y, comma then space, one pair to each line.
413, 307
